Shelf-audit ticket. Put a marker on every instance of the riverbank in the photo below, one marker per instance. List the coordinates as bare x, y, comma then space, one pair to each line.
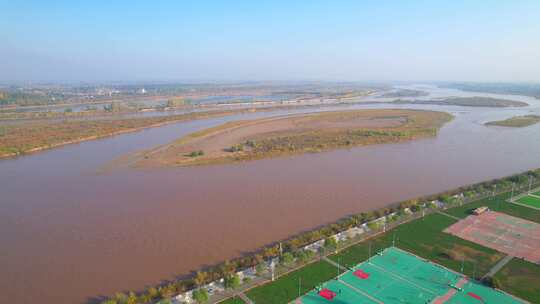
308, 133
419, 223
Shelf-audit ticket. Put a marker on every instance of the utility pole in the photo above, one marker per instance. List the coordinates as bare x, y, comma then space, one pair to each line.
338, 266
512, 195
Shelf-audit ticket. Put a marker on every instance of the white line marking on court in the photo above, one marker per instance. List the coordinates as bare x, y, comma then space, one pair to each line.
361, 292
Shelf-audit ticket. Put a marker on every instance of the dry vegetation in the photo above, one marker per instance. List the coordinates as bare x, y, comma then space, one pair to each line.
516, 121
21, 138
263, 138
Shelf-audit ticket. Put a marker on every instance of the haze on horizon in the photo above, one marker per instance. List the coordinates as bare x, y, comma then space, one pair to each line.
281, 40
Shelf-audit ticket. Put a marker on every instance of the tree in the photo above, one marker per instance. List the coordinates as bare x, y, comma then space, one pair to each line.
287, 258
200, 295
232, 281
330, 243
200, 278
132, 298
260, 269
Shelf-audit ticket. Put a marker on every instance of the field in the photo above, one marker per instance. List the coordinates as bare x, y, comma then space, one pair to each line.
285, 289
268, 137
425, 238
508, 234
234, 300
516, 121
396, 276
530, 200
521, 278
498, 203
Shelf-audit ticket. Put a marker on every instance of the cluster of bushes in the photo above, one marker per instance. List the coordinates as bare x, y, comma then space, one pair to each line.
196, 153
290, 252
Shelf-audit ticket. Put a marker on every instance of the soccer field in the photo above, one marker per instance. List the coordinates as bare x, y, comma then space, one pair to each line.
396, 276
530, 200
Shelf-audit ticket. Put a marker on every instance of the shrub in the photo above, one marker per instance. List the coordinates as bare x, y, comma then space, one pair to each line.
200, 295
287, 258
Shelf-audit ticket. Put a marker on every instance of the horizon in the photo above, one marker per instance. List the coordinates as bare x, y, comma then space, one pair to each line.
242, 41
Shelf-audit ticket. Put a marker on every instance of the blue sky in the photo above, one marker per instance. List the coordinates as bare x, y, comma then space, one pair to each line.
269, 40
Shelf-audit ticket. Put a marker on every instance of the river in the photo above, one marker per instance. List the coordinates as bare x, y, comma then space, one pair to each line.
70, 231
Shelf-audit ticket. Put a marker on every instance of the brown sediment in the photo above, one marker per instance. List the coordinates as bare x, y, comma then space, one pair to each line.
269, 137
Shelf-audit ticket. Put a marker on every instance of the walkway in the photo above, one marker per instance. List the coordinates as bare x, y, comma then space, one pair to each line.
341, 267
244, 298
498, 266
451, 216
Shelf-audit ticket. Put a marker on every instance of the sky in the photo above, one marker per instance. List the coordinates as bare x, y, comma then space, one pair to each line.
357, 40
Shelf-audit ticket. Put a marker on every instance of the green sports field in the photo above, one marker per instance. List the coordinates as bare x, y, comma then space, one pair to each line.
396, 276
530, 201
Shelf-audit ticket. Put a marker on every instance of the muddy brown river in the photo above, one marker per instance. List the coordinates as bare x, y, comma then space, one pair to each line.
70, 232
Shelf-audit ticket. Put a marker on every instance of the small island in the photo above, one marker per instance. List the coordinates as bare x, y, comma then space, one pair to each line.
288, 135
516, 121
467, 102
404, 93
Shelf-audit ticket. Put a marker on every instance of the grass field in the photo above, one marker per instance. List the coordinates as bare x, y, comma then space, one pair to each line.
537, 193
498, 203
529, 201
522, 279
424, 237
285, 289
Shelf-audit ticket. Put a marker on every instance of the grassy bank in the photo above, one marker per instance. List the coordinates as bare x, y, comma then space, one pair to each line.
516, 121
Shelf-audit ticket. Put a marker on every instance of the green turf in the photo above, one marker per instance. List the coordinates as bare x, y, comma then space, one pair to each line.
521, 279
487, 294
537, 193
285, 289
425, 238
530, 201
343, 295
500, 204
234, 300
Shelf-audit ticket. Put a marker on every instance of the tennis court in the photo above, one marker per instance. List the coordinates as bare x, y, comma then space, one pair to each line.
502, 232
396, 276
